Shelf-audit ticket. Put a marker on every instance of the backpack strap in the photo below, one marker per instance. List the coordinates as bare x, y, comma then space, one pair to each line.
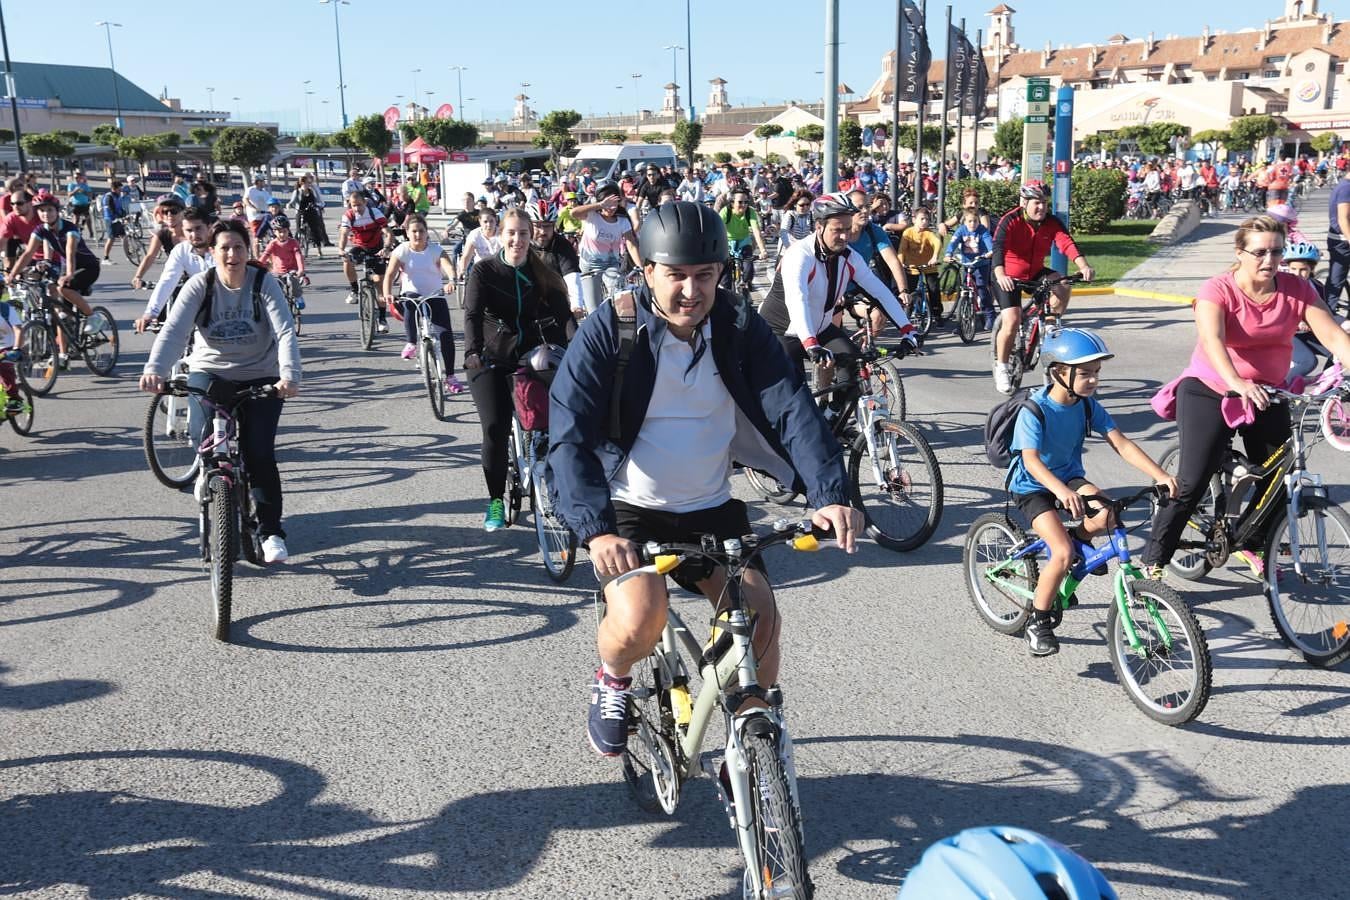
623, 307
204, 311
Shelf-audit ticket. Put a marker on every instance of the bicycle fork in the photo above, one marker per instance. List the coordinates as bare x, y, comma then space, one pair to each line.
1296, 483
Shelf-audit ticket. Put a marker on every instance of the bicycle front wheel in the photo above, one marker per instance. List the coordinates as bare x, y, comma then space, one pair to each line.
1310, 603
134, 249
1168, 675
366, 310
780, 856
899, 492
100, 341
1000, 587
21, 420
888, 385
433, 378
170, 451
965, 317
224, 541
557, 543
921, 316
38, 368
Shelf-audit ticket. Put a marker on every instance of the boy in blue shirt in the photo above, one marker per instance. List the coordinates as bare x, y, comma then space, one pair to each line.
1047, 464
971, 241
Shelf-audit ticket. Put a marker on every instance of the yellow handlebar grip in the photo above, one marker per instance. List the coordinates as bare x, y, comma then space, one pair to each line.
665, 562
806, 542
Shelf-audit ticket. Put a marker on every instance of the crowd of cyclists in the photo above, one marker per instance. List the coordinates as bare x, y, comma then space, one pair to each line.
638, 298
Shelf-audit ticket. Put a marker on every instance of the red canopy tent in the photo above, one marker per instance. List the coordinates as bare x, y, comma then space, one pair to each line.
418, 151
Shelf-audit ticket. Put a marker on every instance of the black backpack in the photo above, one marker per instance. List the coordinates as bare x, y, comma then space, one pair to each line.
1001, 422
625, 327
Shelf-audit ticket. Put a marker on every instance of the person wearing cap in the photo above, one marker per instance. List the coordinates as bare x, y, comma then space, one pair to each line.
691, 188
352, 185
168, 216
256, 199
114, 211
370, 186
80, 198
17, 225
134, 190
646, 454
568, 223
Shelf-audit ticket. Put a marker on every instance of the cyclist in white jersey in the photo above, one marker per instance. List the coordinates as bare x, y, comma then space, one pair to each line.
606, 233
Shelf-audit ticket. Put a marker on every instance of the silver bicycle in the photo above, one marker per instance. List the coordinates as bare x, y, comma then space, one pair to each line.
755, 774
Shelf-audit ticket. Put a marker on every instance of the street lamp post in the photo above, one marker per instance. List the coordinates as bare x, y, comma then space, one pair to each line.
305, 89
239, 116
13, 92
459, 82
414, 94
309, 120
117, 96
463, 115
337, 33
689, 57
637, 106
211, 98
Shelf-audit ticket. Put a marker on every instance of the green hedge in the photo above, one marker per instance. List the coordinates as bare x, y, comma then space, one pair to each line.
1096, 198
995, 196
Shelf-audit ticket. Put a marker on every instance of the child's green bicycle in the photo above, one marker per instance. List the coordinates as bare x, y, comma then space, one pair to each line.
1157, 649
17, 408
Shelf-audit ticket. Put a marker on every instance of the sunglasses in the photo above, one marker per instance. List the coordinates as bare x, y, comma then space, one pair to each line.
1277, 252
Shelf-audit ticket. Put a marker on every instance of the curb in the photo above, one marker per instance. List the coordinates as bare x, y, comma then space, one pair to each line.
1092, 292
1154, 295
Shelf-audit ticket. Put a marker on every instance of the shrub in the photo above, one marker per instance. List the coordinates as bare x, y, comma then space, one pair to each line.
1096, 197
995, 196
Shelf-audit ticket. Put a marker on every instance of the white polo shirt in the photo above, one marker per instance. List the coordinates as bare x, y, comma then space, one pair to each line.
681, 461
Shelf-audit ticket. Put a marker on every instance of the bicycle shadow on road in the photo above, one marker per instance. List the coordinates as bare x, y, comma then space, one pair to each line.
46, 694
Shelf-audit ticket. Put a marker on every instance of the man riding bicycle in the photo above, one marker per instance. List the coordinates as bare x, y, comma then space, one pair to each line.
1021, 241
557, 253
643, 451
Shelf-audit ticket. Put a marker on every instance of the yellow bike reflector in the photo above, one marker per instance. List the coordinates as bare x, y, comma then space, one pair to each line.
1339, 630
684, 707
665, 562
806, 542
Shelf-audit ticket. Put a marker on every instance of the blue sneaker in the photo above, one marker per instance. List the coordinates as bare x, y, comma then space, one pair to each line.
496, 515
607, 723
299, 302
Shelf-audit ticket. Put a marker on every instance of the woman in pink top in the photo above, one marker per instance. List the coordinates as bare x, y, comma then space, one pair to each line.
1246, 319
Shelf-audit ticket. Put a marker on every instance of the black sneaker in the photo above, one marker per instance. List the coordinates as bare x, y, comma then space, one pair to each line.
1041, 638
607, 723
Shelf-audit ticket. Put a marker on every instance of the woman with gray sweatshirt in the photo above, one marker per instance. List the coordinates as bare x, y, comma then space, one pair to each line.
245, 338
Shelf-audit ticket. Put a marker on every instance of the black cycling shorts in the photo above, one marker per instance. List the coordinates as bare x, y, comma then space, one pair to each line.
1032, 505
640, 525
83, 280
1009, 299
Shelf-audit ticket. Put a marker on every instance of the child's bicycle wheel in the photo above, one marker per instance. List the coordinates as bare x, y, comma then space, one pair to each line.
1168, 677
996, 582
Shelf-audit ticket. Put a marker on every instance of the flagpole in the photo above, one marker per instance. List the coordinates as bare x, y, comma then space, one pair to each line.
961, 101
831, 161
895, 102
942, 142
923, 101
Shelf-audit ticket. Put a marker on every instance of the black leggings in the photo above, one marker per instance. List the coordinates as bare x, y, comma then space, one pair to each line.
491, 392
258, 446
1204, 439
439, 311
834, 339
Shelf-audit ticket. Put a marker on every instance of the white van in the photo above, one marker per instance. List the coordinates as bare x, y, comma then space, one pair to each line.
611, 161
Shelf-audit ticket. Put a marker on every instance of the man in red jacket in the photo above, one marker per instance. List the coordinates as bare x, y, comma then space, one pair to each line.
1022, 239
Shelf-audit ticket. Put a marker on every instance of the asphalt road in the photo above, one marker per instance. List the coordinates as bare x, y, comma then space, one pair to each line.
403, 711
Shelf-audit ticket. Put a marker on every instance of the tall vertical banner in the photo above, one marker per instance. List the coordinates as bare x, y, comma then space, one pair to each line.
916, 57
975, 84
958, 68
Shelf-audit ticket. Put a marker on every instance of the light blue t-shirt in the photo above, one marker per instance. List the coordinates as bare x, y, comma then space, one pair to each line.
1059, 439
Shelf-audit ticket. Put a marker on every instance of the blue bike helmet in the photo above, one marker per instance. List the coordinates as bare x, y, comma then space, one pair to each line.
1302, 251
1071, 347
1003, 863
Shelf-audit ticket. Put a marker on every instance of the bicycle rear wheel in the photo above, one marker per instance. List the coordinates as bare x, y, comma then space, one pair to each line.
921, 315
904, 508
224, 541
100, 341
557, 543
780, 855
514, 490
38, 368
1190, 559
1169, 677
170, 451
366, 305
22, 420
1311, 610
768, 487
965, 317
133, 248
994, 580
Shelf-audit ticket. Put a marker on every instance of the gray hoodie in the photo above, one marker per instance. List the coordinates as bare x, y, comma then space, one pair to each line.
232, 345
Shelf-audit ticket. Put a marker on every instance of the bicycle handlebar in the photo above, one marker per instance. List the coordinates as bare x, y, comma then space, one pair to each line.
1101, 501
661, 559
180, 388
1046, 283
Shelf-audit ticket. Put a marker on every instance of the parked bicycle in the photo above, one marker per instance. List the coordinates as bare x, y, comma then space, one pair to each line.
1288, 513
46, 315
1026, 350
755, 774
1154, 642
894, 475
228, 519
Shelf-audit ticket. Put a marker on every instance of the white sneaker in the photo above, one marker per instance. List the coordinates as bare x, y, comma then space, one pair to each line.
351, 299
1003, 378
382, 327
274, 549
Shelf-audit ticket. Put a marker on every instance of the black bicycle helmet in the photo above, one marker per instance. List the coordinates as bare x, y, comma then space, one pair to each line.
606, 190
683, 234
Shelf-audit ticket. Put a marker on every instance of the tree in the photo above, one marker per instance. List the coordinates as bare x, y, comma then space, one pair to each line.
1008, 139
344, 140
555, 132
311, 140
53, 147
686, 137
1325, 142
1248, 131
655, 137
371, 135
168, 139
448, 134
932, 136
774, 159
721, 157
746, 154
1161, 137
850, 139
68, 134
106, 134
206, 136
139, 148
246, 147
1092, 143
611, 137
765, 132
408, 130
812, 134
6, 135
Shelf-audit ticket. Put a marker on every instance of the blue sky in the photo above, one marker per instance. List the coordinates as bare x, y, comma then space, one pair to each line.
766, 58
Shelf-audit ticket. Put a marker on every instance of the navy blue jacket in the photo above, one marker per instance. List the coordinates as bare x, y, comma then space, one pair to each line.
779, 430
